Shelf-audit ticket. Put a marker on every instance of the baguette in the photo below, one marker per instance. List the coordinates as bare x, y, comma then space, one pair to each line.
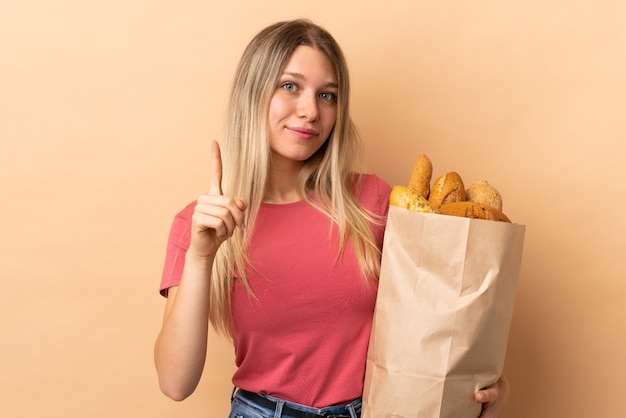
473, 210
421, 175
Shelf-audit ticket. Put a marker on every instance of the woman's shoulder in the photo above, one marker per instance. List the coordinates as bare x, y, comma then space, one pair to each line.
373, 191
181, 225
186, 212
374, 180
372, 183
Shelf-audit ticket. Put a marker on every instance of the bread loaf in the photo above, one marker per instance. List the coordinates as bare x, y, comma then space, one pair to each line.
447, 195
485, 193
473, 210
447, 188
403, 197
421, 175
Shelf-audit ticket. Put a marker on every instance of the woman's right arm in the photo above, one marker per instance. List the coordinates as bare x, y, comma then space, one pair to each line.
180, 348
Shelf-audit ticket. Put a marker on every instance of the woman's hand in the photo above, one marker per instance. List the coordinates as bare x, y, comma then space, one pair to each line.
494, 398
215, 216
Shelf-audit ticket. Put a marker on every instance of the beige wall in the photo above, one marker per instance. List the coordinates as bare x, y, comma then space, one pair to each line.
106, 114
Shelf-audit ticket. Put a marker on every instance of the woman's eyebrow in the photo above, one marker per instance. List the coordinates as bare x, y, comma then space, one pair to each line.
330, 84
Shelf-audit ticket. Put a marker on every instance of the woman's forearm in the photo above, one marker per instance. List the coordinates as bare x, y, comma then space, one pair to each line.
180, 349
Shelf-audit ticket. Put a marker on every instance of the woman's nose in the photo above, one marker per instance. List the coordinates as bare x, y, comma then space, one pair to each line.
307, 106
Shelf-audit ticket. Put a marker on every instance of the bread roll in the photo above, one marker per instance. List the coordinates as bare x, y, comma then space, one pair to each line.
485, 193
473, 210
447, 188
403, 197
421, 175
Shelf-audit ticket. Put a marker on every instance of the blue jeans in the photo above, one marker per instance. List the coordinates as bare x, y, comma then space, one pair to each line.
242, 407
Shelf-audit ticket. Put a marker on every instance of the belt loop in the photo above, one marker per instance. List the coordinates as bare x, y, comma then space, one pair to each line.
232, 395
352, 410
279, 408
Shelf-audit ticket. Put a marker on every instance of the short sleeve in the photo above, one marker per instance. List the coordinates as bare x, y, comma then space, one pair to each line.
384, 190
375, 198
375, 194
177, 246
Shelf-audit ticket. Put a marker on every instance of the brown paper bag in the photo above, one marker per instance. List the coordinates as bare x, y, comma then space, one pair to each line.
443, 313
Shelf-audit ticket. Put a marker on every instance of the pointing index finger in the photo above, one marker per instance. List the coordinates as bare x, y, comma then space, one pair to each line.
215, 184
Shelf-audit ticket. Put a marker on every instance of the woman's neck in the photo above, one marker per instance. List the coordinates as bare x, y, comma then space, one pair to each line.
283, 184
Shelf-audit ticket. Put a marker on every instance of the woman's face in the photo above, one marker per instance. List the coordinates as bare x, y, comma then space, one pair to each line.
303, 108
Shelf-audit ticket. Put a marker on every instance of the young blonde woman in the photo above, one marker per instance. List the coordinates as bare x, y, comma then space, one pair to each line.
282, 253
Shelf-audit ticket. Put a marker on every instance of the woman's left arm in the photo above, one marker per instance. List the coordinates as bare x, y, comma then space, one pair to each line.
494, 398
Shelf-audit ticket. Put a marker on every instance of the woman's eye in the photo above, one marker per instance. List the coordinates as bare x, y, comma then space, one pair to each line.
289, 86
328, 96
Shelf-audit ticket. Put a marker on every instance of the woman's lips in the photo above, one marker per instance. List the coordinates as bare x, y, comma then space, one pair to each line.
303, 133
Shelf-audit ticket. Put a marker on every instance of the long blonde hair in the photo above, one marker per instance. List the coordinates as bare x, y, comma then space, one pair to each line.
327, 175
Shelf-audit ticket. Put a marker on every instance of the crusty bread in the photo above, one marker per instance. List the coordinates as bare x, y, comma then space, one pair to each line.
403, 197
447, 195
485, 193
421, 175
447, 188
473, 210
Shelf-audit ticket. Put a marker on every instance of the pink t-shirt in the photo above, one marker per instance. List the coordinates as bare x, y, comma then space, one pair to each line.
305, 336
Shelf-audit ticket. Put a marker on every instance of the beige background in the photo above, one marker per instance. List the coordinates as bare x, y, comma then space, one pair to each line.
106, 112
